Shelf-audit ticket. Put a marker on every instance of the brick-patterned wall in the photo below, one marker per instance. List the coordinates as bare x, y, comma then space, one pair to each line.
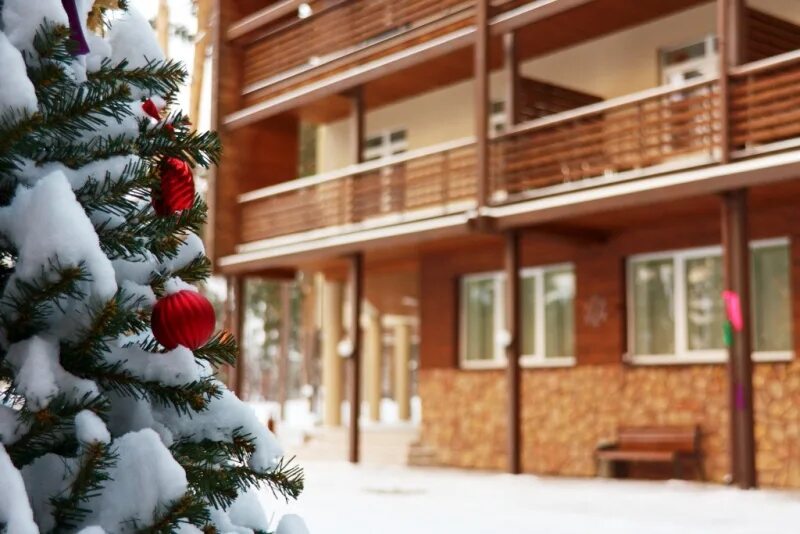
777, 414
567, 412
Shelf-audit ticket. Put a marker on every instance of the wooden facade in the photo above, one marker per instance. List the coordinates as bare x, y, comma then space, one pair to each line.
572, 177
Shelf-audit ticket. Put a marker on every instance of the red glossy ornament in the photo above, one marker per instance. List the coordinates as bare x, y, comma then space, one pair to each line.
183, 318
177, 187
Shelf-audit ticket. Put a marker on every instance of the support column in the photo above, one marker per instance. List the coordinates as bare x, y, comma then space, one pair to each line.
235, 312
372, 364
285, 333
357, 123
513, 80
482, 103
736, 257
513, 326
732, 43
402, 358
356, 296
162, 27
332, 366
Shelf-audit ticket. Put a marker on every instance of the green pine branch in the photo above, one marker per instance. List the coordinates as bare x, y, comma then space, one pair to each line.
52, 429
190, 508
158, 77
25, 308
69, 508
219, 350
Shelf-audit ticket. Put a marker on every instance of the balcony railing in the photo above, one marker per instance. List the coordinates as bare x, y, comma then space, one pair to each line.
337, 29
765, 105
427, 181
663, 126
652, 132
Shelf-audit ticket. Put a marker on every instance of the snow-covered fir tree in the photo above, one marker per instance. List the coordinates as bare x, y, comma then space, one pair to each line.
111, 417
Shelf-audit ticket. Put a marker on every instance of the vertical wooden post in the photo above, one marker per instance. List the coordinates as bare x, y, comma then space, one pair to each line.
373, 358
285, 333
356, 295
235, 306
513, 80
482, 103
331, 360
199, 63
162, 26
736, 256
731, 43
402, 357
357, 123
513, 327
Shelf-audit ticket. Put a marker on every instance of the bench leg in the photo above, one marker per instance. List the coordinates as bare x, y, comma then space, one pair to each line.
701, 470
677, 464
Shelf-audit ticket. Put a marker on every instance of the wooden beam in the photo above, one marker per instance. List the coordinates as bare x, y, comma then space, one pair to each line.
513, 349
736, 257
513, 79
261, 18
481, 74
285, 334
357, 123
201, 41
162, 26
235, 307
731, 16
356, 295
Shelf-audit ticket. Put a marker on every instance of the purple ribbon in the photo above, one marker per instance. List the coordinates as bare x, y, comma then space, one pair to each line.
75, 28
740, 401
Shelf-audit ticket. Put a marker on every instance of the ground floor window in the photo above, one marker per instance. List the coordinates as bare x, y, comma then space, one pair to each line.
675, 308
548, 331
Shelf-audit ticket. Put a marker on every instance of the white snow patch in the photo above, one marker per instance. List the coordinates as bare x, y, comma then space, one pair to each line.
176, 285
145, 479
39, 375
218, 422
47, 222
92, 530
246, 511
292, 524
89, 428
15, 510
177, 367
133, 39
23, 18
16, 90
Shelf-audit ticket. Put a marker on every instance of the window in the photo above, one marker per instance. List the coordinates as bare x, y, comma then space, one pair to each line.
548, 331
385, 144
498, 120
676, 310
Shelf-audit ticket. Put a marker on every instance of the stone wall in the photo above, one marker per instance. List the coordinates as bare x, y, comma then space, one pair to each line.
567, 412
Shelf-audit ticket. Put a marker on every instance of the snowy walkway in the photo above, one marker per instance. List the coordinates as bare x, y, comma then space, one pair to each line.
341, 499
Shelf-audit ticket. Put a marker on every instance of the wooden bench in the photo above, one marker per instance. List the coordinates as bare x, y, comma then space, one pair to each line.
676, 445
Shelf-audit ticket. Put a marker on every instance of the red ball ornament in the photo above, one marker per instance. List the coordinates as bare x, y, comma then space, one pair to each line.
177, 187
183, 318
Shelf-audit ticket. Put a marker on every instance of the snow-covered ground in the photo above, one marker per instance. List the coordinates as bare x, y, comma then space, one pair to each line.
341, 498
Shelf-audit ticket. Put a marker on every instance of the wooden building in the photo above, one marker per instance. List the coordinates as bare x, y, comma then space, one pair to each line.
550, 195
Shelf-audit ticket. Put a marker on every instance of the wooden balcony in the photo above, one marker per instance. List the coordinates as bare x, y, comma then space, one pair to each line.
654, 132
428, 182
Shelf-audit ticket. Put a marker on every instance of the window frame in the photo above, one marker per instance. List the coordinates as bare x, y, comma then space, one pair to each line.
499, 360
682, 354
387, 147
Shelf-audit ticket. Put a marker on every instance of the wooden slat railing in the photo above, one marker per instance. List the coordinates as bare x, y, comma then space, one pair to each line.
433, 177
659, 126
336, 29
765, 104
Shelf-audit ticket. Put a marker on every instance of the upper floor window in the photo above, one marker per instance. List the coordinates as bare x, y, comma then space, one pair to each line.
386, 143
687, 62
548, 334
676, 309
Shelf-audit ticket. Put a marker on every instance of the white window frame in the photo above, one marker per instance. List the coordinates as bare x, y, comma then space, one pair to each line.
682, 354
538, 359
499, 359
387, 148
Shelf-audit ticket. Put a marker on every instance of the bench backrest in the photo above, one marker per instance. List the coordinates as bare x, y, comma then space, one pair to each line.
659, 438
